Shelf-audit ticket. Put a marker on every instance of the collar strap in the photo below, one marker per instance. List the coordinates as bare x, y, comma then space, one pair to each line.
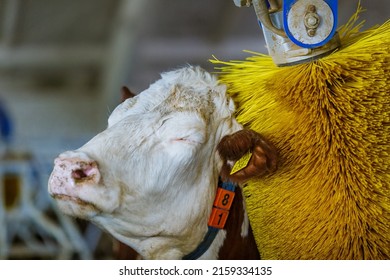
219, 214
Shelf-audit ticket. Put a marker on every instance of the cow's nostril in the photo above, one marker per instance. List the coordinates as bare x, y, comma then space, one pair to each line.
79, 174
85, 172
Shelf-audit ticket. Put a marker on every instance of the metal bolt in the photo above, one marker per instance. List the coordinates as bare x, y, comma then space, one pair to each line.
311, 8
311, 32
311, 20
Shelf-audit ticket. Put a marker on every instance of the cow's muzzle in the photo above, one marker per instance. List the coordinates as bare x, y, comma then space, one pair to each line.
72, 171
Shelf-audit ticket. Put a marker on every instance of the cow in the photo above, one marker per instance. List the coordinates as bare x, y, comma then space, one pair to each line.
151, 177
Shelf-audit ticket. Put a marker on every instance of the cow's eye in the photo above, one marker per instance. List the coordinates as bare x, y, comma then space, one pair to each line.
183, 128
191, 136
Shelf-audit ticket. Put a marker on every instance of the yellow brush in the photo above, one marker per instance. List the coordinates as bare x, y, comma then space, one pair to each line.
330, 121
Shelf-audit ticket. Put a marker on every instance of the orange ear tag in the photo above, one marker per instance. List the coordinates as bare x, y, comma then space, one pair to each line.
222, 203
241, 163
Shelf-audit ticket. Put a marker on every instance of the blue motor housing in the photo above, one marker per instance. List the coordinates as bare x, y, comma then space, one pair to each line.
307, 28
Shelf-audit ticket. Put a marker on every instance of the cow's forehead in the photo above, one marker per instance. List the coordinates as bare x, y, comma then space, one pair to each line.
189, 89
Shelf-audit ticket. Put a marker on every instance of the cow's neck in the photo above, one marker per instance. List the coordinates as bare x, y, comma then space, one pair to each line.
236, 240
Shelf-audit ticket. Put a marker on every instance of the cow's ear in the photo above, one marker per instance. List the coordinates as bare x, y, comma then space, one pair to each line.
261, 155
126, 93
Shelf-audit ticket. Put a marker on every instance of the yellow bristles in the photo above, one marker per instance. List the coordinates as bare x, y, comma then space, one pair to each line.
330, 121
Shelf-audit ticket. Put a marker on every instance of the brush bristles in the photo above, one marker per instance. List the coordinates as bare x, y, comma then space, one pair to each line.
330, 121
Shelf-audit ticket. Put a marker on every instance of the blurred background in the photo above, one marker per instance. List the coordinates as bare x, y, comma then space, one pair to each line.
62, 64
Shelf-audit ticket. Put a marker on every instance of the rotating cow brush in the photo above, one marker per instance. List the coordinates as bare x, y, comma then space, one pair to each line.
322, 97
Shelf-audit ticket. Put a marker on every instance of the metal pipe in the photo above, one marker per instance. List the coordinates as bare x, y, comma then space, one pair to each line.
262, 14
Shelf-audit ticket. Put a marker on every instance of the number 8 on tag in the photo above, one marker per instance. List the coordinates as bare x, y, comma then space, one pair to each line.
224, 199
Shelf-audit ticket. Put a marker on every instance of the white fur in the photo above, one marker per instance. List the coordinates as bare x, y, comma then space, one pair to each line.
158, 165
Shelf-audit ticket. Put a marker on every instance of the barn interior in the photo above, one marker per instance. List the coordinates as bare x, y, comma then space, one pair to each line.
62, 65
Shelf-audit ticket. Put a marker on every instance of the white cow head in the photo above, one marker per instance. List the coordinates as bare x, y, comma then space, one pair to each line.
150, 178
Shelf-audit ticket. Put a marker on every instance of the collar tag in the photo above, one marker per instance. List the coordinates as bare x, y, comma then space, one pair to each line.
222, 203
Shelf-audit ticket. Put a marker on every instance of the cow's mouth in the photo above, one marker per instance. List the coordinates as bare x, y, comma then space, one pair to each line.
77, 200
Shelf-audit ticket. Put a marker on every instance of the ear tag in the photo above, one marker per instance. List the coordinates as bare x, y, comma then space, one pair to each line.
241, 163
